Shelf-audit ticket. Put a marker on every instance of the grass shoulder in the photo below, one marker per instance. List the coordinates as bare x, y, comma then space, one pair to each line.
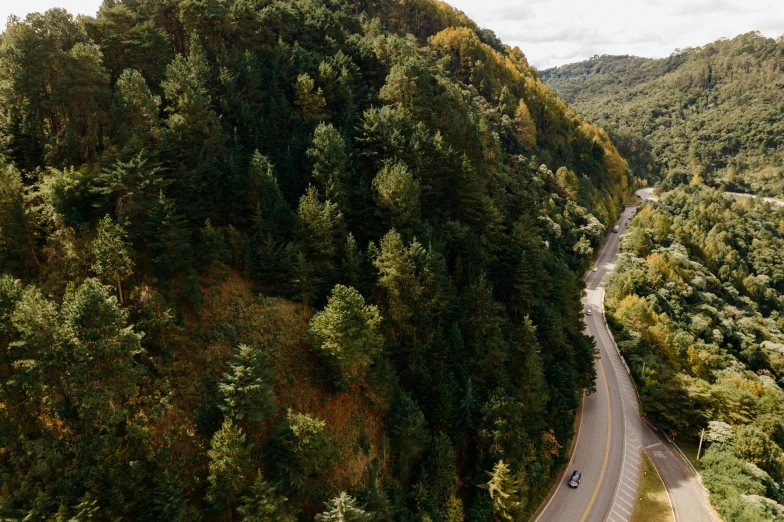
655, 504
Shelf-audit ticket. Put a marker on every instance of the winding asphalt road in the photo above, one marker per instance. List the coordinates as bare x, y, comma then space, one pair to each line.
612, 434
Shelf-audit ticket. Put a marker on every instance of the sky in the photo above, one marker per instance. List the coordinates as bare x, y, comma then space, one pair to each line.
556, 32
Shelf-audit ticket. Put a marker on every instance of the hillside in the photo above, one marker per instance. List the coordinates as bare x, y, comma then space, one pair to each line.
696, 302
715, 110
268, 260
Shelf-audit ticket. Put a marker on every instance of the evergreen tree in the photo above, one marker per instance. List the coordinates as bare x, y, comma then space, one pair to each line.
134, 112
246, 387
264, 504
169, 238
330, 164
321, 228
503, 492
169, 500
265, 197
131, 187
347, 331
113, 256
228, 467
397, 276
397, 193
301, 453
343, 508
301, 282
18, 230
96, 355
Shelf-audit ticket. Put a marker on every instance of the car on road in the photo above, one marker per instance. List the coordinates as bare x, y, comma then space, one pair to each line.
588, 311
595, 269
575, 480
616, 228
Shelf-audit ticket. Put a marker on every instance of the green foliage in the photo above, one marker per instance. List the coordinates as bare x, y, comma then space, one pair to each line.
692, 111
321, 228
228, 468
263, 503
347, 331
503, 492
113, 258
301, 453
696, 302
18, 230
246, 387
426, 202
330, 164
343, 508
397, 193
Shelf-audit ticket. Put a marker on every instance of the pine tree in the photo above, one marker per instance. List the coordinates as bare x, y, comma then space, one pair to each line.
113, 256
134, 112
264, 504
502, 489
301, 281
266, 198
96, 355
301, 453
169, 238
397, 276
169, 502
343, 508
321, 228
347, 330
229, 460
131, 187
310, 103
397, 192
330, 164
246, 387
351, 266
18, 230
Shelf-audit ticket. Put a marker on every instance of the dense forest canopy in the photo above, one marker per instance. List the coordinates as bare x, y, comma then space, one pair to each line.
271, 260
697, 304
715, 110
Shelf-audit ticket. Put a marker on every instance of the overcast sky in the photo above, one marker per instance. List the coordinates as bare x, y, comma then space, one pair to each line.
555, 32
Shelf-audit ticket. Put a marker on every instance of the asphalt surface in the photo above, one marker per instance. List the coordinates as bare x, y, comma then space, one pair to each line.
611, 433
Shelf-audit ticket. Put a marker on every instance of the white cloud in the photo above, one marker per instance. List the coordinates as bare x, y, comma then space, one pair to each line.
21, 9
555, 32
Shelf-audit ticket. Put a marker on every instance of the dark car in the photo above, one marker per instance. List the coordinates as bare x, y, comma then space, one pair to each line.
575, 480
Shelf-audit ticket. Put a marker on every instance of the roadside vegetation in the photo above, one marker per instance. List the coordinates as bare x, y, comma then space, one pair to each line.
696, 302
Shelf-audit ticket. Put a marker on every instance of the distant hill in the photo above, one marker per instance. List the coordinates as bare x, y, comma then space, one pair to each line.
715, 110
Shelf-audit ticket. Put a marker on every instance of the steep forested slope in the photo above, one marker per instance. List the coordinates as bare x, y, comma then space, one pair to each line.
259, 253
716, 110
697, 303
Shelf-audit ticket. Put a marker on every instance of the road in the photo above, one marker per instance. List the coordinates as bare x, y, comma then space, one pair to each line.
611, 433
773, 201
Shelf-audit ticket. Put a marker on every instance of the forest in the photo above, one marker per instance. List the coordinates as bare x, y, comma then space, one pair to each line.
696, 303
280, 260
714, 110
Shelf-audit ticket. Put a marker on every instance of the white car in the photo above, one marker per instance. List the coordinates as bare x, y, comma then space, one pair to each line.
588, 311
595, 269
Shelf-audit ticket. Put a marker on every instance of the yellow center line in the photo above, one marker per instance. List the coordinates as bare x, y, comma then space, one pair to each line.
606, 447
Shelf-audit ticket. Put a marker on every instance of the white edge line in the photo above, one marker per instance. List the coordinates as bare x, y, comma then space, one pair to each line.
571, 459
667, 489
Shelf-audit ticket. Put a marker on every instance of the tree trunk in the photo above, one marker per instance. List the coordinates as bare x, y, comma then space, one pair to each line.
119, 291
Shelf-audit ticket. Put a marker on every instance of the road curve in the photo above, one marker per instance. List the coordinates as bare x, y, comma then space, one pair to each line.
611, 433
